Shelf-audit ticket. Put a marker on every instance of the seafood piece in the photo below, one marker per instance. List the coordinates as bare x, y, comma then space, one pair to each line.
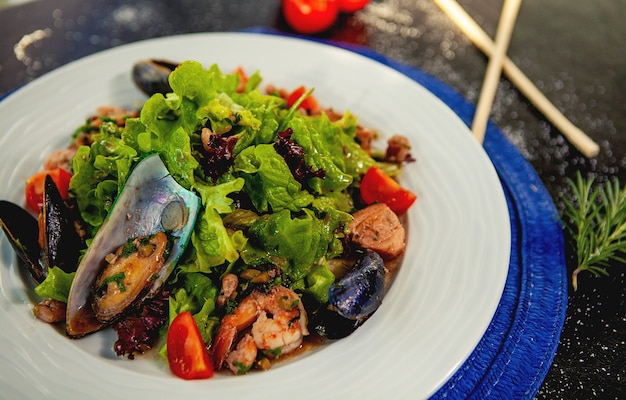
53, 240
22, 231
242, 358
278, 324
398, 150
50, 311
378, 228
352, 299
151, 76
328, 323
150, 202
359, 293
62, 243
124, 277
229, 289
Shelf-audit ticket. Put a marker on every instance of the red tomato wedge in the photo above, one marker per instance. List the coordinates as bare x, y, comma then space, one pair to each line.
35, 186
351, 6
187, 356
309, 104
378, 187
310, 16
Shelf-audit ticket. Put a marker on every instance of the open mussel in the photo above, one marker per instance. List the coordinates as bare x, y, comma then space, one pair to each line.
22, 231
135, 249
53, 240
359, 293
352, 299
62, 241
151, 75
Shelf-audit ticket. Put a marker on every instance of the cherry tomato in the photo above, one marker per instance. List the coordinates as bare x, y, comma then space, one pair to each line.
187, 356
351, 6
376, 186
310, 103
35, 186
310, 16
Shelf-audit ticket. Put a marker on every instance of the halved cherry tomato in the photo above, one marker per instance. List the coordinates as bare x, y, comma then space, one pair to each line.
187, 356
35, 186
350, 6
378, 187
310, 103
310, 16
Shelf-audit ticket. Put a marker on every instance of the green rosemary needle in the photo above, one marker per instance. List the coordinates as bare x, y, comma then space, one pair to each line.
597, 222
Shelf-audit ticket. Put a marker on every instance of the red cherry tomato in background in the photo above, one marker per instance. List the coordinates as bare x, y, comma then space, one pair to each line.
351, 6
310, 16
378, 187
186, 354
309, 104
35, 186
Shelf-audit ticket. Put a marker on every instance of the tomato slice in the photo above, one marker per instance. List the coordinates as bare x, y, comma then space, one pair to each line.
309, 104
35, 186
351, 6
378, 187
187, 356
310, 16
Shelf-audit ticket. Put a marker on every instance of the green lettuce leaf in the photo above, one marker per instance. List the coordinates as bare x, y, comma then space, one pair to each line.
198, 296
56, 285
99, 171
210, 239
269, 181
303, 241
319, 280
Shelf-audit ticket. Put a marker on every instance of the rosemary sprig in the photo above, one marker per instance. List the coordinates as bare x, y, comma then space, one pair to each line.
597, 217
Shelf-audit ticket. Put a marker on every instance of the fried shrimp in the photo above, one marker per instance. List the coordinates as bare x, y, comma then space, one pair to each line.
277, 322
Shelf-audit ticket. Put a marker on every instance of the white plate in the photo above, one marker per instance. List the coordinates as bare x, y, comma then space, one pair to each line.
437, 310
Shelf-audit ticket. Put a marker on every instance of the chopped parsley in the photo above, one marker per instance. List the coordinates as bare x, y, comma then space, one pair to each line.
117, 278
129, 248
242, 368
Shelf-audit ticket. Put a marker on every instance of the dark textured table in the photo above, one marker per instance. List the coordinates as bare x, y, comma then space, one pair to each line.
573, 51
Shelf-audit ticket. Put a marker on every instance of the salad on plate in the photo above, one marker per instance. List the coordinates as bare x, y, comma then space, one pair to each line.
221, 225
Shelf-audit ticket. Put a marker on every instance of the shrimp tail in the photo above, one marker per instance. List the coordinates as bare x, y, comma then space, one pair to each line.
222, 344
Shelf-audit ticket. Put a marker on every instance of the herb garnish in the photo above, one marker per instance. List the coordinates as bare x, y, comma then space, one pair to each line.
275, 353
117, 278
129, 248
243, 369
597, 222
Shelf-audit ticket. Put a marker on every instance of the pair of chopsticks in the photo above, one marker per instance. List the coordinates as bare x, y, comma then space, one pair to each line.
498, 62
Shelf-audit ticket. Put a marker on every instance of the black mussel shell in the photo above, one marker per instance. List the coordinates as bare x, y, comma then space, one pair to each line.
327, 323
151, 76
360, 292
62, 243
22, 231
352, 300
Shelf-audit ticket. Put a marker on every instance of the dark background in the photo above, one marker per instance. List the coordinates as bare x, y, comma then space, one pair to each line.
574, 51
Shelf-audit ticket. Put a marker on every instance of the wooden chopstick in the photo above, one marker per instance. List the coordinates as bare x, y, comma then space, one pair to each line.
478, 36
494, 68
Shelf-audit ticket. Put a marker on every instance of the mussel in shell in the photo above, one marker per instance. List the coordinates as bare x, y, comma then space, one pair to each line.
151, 75
352, 299
135, 249
359, 293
